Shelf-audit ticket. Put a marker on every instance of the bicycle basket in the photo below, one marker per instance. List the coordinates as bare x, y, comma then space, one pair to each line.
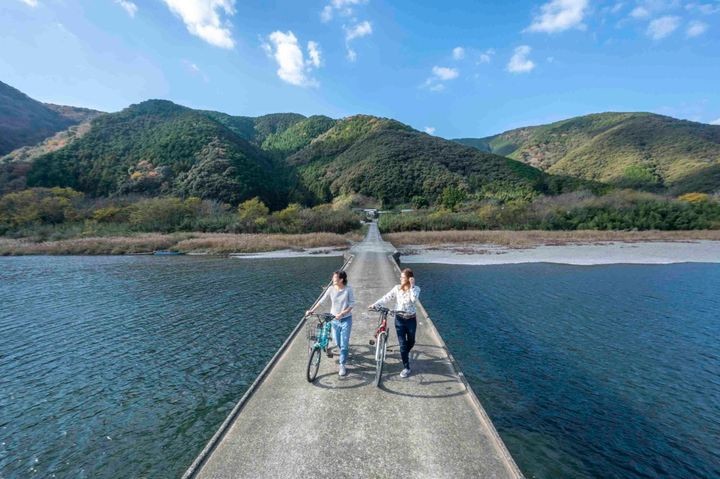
312, 330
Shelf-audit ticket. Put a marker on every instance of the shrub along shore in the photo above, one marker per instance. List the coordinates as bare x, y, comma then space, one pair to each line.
64, 221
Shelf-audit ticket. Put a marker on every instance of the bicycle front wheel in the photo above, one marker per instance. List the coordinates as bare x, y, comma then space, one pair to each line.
380, 349
313, 364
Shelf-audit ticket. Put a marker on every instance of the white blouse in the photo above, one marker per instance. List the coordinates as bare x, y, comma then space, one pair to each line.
404, 300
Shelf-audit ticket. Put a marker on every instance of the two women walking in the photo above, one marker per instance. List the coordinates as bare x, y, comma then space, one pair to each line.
342, 301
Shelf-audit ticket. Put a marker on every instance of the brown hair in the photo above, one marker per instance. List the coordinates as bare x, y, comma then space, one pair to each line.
342, 275
408, 273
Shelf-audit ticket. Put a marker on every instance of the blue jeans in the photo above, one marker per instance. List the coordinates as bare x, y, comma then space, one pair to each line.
405, 329
341, 335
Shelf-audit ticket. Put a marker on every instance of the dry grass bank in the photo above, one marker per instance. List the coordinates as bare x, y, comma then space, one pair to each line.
524, 239
210, 243
222, 243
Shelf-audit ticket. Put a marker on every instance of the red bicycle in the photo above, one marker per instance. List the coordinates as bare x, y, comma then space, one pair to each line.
380, 341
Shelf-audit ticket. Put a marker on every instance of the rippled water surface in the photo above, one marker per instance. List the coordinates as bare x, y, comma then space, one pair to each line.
597, 372
126, 366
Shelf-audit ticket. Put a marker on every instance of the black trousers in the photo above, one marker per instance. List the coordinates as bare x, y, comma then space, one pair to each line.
405, 328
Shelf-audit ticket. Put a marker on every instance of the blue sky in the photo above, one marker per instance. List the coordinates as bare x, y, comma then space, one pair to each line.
456, 68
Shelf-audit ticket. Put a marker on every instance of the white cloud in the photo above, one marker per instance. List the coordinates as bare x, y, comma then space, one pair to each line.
195, 70
30, 3
128, 6
343, 7
440, 75
359, 30
458, 53
326, 14
346, 8
430, 130
696, 29
314, 53
445, 73
704, 8
617, 7
640, 13
559, 15
292, 66
663, 26
486, 56
203, 19
520, 63
716, 122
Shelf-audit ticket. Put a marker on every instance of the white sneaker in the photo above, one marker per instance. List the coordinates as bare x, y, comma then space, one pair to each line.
343, 371
405, 373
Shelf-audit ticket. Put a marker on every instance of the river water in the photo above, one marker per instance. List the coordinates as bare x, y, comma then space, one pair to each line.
126, 366
590, 372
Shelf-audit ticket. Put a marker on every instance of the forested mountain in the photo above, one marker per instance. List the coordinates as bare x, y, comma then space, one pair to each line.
388, 160
256, 129
24, 121
74, 113
638, 150
158, 147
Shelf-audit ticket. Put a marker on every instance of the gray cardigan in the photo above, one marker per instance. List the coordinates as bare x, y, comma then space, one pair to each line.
340, 298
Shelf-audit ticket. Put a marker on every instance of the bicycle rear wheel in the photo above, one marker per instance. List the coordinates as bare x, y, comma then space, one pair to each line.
380, 350
313, 364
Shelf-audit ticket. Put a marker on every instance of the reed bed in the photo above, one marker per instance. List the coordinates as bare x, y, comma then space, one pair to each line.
524, 239
208, 243
223, 243
145, 243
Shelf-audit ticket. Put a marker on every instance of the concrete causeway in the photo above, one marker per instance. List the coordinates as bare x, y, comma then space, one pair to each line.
430, 425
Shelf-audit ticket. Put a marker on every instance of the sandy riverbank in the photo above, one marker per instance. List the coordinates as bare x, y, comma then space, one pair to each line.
657, 252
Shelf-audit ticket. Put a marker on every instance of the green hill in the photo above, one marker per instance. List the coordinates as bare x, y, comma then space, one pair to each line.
638, 150
388, 160
24, 121
158, 147
297, 136
256, 129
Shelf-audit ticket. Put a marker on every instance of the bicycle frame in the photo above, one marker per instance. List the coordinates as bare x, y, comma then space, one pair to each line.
381, 329
380, 341
322, 335
320, 338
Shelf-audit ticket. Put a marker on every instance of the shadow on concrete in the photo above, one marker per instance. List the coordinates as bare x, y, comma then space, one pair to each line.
428, 369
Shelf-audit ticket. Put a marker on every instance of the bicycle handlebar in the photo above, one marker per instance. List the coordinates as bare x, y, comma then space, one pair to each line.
326, 317
383, 309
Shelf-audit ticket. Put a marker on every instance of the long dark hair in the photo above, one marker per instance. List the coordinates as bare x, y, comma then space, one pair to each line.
342, 275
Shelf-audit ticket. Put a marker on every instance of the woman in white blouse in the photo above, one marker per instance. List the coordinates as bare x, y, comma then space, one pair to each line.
405, 295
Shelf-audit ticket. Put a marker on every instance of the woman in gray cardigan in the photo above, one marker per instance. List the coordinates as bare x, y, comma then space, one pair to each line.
343, 299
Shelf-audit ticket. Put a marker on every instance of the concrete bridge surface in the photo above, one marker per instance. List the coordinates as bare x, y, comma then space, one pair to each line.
429, 425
